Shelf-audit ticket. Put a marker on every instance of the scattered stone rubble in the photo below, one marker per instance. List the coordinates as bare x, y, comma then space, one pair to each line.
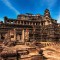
23, 52
31, 51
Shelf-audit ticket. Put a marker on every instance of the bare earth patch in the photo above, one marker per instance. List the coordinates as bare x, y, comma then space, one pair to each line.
52, 52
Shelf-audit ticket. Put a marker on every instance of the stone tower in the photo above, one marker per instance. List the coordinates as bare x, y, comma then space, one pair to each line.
47, 13
47, 17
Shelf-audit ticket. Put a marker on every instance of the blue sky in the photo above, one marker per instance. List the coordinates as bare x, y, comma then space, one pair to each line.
11, 8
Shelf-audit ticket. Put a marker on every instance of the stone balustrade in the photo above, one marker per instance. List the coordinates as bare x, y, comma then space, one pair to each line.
50, 44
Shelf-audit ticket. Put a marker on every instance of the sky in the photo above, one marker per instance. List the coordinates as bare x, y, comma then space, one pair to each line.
12, 8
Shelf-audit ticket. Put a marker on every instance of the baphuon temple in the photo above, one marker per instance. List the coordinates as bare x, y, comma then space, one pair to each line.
29, 27
26, 37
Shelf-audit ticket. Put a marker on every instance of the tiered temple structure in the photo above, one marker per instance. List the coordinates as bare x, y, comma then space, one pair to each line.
28, 27
24, 38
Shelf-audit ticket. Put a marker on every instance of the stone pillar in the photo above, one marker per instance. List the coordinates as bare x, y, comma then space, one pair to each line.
6, 36
23, 22
13, 22
14, 34
29, 23
23, 35
10, 22
32, 23
0, 36
20, 22
17, 22
35, 23
26, 23
18, 37
27, 35
40, 24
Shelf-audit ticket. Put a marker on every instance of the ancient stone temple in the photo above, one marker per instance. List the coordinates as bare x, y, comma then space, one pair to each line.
27, 36
29, 27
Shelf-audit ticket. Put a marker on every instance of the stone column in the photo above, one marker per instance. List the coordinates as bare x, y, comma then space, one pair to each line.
27, 35
15, 34
17, 22
35, 23
23, 22
0, 36
29, 23
40, 24
20, 22
26, 23
10, 22
18, 37
23, 35
32, 23
6, 36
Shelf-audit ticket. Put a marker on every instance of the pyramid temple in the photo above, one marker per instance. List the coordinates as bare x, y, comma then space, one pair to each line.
27, 36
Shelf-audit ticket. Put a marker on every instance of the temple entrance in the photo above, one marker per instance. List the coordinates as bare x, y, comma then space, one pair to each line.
2, 36
19, 37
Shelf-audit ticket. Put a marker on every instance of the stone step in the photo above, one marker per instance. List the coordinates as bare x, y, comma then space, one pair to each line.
20, 43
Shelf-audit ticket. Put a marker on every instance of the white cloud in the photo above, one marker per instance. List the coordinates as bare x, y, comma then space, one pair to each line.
49, 3
7, 3
1, 19
58, 18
